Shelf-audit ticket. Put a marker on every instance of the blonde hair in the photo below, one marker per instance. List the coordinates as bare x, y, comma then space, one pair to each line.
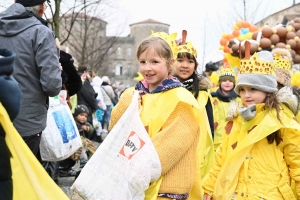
160, 46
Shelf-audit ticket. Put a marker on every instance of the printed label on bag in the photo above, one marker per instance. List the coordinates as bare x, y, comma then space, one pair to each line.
64, 125
133, 144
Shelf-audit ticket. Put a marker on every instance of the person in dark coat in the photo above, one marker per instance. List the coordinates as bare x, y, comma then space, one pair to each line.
36, 69
86, 94
70, 77
10, 97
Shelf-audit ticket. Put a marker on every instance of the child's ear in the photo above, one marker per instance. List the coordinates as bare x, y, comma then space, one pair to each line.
172, 62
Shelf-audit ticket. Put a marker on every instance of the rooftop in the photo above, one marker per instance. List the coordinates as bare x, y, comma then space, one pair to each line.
149, 21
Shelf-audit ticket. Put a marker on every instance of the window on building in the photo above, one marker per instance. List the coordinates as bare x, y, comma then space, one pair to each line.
119, 51
129, 51
119, 69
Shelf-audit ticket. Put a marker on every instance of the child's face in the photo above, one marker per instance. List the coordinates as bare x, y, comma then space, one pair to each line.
184, 68
99, 104
153, 68
81, 118
252, 96
227, 85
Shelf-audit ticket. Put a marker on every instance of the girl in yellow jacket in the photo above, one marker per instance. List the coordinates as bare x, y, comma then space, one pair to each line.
221, 100
186, 72
260, 150
169, 114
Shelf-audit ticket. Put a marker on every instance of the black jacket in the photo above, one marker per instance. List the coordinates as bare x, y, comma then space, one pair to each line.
87, 97
69, 75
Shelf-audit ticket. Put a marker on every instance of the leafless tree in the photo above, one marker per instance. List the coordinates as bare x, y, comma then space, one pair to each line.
81, 29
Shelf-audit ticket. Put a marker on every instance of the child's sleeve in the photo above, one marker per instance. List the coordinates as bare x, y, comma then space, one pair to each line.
120, 108
90, 128
176, 137
291, 152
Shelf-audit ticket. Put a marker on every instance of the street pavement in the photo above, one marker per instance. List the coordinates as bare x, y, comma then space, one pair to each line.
66, 182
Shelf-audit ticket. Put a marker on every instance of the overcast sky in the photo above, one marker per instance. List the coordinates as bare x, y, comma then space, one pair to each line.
205, 20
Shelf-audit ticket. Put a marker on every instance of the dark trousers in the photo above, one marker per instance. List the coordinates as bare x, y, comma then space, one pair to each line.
6, 184
33, 142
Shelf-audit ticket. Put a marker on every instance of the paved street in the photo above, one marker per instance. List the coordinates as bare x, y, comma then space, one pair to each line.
66, 182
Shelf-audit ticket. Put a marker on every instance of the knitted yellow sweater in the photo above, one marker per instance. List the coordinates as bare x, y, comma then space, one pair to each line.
175, 144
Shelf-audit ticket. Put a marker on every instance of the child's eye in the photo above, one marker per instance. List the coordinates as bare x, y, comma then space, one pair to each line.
253, 89
179, 60
242, 89
155, 62
142, 62
191, 61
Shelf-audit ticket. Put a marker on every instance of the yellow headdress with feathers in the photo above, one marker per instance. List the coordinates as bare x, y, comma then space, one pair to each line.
168, 38
186, 48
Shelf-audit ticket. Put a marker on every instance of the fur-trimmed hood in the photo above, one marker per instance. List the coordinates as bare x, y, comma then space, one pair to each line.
204, 82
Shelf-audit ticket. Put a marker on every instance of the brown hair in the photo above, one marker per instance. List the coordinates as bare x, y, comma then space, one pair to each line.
160, 46
270, 103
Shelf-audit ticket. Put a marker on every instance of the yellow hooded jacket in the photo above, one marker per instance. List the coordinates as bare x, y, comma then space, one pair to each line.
248, 167
172, 121
220, 114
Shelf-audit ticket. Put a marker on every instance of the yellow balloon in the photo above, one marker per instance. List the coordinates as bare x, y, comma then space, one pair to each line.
232, 60
248, 35
297, 82
221, 47
214, 78
224, 35
235, 27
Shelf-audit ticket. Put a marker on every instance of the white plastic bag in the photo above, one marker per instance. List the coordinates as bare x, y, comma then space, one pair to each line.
61, 138
124, 164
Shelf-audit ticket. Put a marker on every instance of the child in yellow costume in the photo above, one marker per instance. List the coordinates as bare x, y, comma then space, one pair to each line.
169, 114
283, 63
197, 84
221, 100
259, 154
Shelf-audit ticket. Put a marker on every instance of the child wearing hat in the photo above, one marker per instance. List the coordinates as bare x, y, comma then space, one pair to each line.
283, 63
259, 154
186, 72
221, 100
80, 116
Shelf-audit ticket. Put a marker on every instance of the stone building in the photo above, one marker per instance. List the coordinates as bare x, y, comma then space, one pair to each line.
282, 16
121, 59
111, 56
87, 41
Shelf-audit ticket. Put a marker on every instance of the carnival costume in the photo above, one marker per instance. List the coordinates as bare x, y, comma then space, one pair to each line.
168, 113
205, 150
247, 165
221, 104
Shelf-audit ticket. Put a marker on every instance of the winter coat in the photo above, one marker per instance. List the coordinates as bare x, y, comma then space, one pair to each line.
96, 83
36, 65
88, 132
73, 81
10, 96
248, 167
87, 97
108, 93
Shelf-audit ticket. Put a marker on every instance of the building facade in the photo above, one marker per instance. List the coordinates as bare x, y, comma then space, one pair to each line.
121, 59
107, 56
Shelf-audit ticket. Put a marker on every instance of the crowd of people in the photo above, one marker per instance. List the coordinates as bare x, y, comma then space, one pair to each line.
239, 140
